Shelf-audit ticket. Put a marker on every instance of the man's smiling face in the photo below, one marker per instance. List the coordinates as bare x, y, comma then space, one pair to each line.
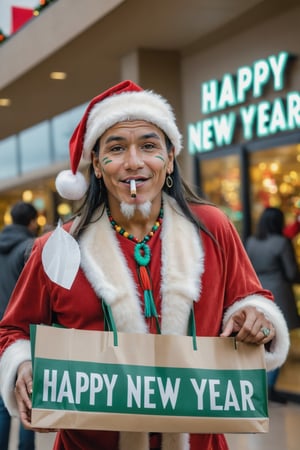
133, 150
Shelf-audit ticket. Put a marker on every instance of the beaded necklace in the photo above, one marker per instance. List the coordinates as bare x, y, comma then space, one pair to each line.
142, 256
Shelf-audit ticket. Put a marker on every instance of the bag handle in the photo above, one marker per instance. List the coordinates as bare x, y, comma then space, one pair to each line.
109, 322
192, 327
110, 325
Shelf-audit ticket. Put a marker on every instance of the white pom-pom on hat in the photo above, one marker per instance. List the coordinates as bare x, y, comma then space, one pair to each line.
71, 186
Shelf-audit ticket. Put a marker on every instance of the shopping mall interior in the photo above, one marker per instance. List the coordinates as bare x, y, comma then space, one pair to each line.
73, 52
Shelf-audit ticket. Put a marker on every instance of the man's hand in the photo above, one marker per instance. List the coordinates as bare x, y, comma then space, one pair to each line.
249, 325
23, 391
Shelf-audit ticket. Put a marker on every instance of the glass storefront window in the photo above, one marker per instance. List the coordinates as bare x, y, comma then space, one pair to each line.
40, 145
275, 181
221, 180
8, 158
35, 147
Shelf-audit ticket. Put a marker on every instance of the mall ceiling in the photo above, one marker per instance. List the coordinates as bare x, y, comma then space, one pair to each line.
92, 58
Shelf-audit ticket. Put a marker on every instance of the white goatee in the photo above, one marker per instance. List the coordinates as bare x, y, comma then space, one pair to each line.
145, 208
128, 210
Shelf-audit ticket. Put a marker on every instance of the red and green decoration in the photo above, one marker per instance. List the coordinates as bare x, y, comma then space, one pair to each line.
22, 15
41, 6
3, 37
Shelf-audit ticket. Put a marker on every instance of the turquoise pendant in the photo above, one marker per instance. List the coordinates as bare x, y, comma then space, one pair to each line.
142, 254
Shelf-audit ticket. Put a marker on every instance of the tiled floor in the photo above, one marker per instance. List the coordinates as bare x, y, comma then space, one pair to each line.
284, 433
289, 379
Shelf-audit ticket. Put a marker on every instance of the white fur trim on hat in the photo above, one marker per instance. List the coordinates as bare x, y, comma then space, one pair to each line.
279, 348
142, 105
13, 356
71, 186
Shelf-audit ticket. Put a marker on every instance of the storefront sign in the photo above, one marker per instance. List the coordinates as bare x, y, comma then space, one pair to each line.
258, 119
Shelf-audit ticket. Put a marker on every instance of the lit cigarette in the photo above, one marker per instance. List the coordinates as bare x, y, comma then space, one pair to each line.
132, 188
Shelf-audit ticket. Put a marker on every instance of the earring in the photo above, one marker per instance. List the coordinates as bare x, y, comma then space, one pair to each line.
169, 181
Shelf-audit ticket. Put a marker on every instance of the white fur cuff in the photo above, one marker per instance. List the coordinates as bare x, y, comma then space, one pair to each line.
279, 348
13, 356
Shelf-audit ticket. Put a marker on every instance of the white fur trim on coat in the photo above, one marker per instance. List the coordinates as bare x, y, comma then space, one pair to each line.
13, 356
279, 348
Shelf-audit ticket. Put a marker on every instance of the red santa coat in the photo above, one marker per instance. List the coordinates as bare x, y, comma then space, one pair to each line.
185, 266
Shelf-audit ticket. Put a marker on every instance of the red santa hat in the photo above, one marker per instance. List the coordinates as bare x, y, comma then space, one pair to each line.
125, 101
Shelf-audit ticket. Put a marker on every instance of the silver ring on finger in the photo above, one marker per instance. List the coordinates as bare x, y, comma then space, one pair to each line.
265, 331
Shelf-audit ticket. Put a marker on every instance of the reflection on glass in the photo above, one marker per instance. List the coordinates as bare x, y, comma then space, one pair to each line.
62, 128
275, 181
35, 147
8, 158
221, 185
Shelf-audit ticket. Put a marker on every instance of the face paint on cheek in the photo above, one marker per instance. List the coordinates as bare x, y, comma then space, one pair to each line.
106, 160
160, 157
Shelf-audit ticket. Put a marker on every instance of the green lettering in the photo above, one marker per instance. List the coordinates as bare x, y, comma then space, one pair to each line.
209, 94
261, 77
244, 82
278, 119
293, 108
194, 137
227, 93
278, 64
263, 118
248, 114
224, 127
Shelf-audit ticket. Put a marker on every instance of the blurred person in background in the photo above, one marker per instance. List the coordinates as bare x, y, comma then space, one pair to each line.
273, 258
16, 241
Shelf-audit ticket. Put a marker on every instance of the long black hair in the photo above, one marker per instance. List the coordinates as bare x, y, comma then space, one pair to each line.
270, 222
97, 195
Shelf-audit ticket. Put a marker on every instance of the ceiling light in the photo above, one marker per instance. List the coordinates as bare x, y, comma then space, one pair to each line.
58, 75
5, 102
